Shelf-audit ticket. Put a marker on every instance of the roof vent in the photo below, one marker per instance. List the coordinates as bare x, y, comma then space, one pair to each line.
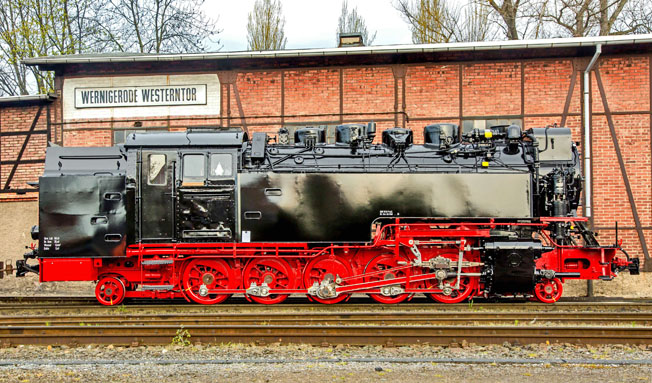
309, 136
351, 40
397, 138
441, 135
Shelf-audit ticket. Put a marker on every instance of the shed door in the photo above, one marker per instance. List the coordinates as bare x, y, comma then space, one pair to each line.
157, 199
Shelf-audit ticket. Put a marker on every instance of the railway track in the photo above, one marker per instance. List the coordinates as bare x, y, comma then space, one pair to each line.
339, 325
86, 304
335, 318
322, 334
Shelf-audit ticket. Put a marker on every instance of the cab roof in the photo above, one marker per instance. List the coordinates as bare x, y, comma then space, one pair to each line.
193, 137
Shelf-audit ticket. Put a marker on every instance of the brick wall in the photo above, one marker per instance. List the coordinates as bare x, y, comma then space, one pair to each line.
535, 91
626, 83
19, 118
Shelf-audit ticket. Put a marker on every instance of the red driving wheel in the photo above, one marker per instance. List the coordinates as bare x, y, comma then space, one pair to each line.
213, 274
110, 291
467, 286
326, 267
382, 267
276, 273
549, 290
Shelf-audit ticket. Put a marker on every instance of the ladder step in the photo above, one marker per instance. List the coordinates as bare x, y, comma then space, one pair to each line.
157, 287
158, 262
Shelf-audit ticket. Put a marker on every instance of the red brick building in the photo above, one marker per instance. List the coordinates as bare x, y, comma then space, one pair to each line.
530, 83
25, 129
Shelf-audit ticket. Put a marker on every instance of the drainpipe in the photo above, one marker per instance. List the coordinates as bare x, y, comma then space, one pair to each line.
587, 148
587, 133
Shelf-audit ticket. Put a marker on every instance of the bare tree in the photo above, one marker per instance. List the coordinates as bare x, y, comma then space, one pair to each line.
155, 26
593, 17
609, 12
265, 28
14, 27
428, 19
508, 11
518, 19
32, 28
533, 22
433, 21
473, 23
636, 17
350, 21
573, 17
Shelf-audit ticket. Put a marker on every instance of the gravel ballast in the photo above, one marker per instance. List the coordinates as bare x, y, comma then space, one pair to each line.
295, 363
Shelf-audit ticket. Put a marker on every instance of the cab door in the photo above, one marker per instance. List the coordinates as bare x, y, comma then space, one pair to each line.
157, 199
207, 197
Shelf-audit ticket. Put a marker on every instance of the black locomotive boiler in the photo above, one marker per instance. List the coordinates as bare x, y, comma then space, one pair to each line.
207, 213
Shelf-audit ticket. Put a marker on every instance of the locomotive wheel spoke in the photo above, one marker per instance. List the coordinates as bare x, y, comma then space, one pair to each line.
382, 268
324, 267
276, 273
110, 291
196, 269
216, 272
467, 286
549, 290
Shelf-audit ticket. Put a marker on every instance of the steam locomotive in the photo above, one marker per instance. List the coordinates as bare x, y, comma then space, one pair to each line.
207, 213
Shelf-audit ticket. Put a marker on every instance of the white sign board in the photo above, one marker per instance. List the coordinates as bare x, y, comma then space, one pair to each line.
140, 96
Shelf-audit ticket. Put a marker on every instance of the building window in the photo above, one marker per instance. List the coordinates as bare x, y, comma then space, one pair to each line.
157, 170
221, 166
194, 168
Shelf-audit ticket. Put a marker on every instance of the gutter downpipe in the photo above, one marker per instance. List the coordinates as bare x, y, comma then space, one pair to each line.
588, 182
587, 134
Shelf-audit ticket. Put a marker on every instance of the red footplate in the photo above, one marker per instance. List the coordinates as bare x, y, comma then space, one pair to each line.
449, 261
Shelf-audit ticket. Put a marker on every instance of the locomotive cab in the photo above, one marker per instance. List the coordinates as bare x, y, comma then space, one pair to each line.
187, 185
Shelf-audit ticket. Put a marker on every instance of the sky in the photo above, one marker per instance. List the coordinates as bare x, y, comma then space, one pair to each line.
309, 23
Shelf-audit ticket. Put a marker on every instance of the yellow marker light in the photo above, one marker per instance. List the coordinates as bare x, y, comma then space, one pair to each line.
488, 134
485, 164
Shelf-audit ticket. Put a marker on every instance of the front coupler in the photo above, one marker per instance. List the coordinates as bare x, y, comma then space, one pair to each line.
630, 264
22, 267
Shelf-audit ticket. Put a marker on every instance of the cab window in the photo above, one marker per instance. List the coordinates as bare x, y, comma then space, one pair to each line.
221, 165
194, 168
157, 174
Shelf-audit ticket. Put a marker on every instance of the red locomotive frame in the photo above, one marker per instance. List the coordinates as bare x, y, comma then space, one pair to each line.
441, 260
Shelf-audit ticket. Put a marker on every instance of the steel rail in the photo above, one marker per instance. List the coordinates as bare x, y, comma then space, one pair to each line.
359, 298
292, 303
323, 335
264, 309
332, 318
